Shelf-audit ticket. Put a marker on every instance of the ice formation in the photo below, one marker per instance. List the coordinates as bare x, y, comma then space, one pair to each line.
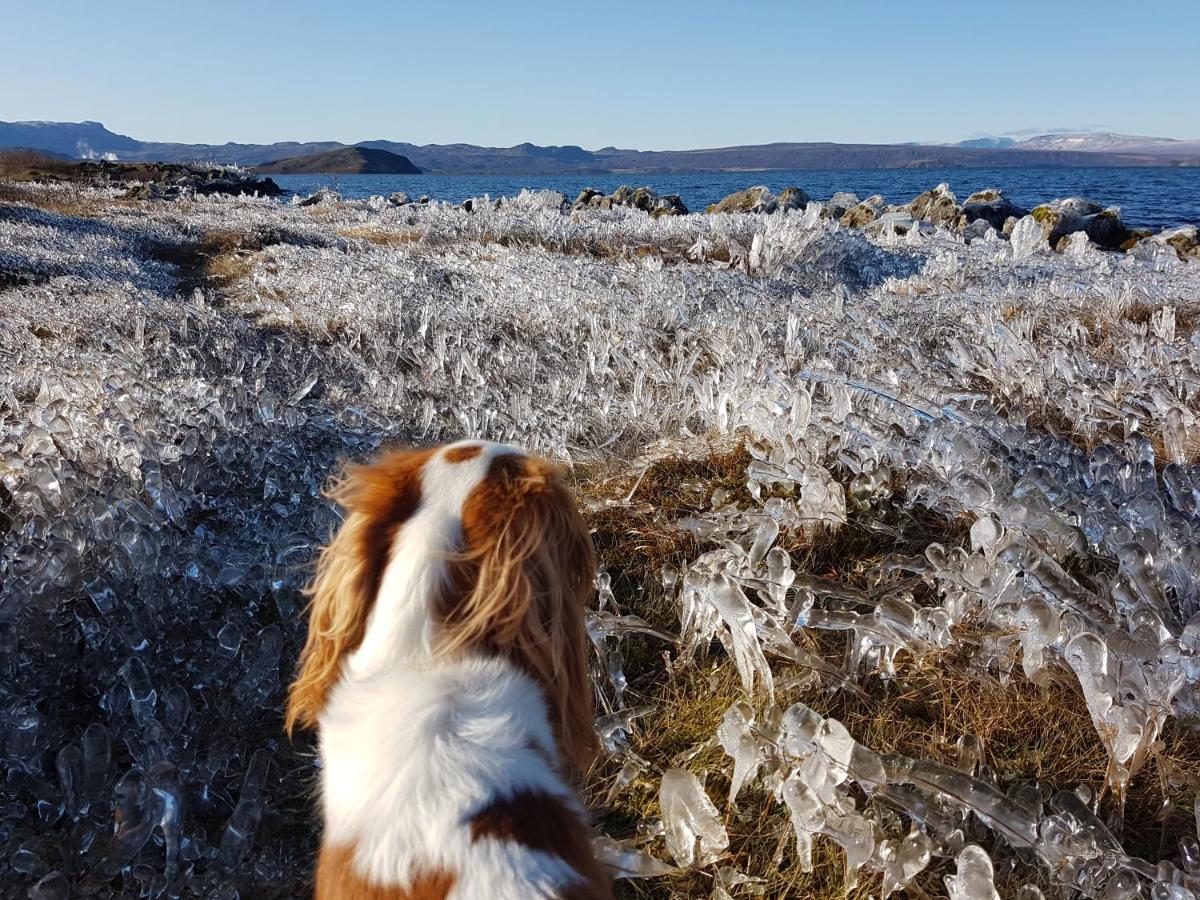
163, 446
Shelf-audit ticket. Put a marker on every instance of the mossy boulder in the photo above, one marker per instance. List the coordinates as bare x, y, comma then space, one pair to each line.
991, 206
1060, 218
792, 198
865, 212
1184, 240
838, 205
937, 205
752, 200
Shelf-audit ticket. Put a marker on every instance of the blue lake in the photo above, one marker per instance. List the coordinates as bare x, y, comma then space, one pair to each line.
1148, 197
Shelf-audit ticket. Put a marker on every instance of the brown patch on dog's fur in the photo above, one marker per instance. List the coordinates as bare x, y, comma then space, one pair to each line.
379, 499
542, 822
462, 454
337, 879
520, 586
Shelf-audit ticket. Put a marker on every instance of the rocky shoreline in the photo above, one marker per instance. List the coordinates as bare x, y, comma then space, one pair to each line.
986, 214
140, 181
983, 213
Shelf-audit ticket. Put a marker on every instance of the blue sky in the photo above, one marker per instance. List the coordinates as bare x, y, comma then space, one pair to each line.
648, 75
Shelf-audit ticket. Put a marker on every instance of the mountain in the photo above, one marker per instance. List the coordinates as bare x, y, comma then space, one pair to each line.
89, 139
1097, 142
78, 140
1108, 142
343, 161
987, 142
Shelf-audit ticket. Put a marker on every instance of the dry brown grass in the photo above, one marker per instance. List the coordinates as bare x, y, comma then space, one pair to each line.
1029, 732
70, 200
26, 165
218, 259
589, 246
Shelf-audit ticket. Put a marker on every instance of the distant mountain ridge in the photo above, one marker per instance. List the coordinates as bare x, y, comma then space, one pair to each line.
91, 140
1095, 142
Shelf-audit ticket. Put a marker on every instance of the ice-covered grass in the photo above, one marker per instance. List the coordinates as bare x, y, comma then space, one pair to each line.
898, 532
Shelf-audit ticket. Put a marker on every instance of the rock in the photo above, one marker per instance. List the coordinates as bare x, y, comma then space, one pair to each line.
669, 205
585, 198
792, 198
865, 212
1185, 240
1009, 224
1105, 229
324, 195
642, 198
977, 230
1059, 218
991, 206
937, 205
839, 204
399, 198
622, 195
752, 200
1136, 236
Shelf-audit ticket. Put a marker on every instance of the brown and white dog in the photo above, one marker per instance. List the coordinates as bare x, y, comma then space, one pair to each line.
446, 673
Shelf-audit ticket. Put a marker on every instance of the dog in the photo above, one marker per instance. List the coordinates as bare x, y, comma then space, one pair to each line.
446, 674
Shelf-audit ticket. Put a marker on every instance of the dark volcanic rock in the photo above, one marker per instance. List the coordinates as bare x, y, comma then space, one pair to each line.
149, 181
990, 205
642, 198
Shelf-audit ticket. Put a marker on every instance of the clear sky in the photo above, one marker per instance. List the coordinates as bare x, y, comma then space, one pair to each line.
646, 75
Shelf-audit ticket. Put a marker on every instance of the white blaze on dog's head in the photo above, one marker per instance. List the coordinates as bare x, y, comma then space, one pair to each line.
470, 548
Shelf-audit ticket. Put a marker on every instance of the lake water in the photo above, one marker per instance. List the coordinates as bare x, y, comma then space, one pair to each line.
1148, 197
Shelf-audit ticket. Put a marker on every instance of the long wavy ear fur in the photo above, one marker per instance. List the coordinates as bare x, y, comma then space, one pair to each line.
378, 499
525, 577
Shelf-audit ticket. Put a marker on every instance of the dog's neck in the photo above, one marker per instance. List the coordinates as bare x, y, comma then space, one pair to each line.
400, 629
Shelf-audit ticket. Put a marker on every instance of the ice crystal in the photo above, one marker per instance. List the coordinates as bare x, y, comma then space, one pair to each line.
165, 430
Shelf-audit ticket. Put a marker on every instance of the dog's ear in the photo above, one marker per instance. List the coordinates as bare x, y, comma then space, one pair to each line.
525, 577
377, 499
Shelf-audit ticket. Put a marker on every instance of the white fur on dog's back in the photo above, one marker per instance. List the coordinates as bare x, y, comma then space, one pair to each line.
412, 755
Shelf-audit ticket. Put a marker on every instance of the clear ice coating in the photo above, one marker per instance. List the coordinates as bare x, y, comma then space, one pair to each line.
165, 430
694, 833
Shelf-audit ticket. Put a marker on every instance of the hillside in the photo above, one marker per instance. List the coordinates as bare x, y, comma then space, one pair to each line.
93, 139
343, 161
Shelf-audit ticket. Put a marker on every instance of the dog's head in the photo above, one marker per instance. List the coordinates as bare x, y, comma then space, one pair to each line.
468, 548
